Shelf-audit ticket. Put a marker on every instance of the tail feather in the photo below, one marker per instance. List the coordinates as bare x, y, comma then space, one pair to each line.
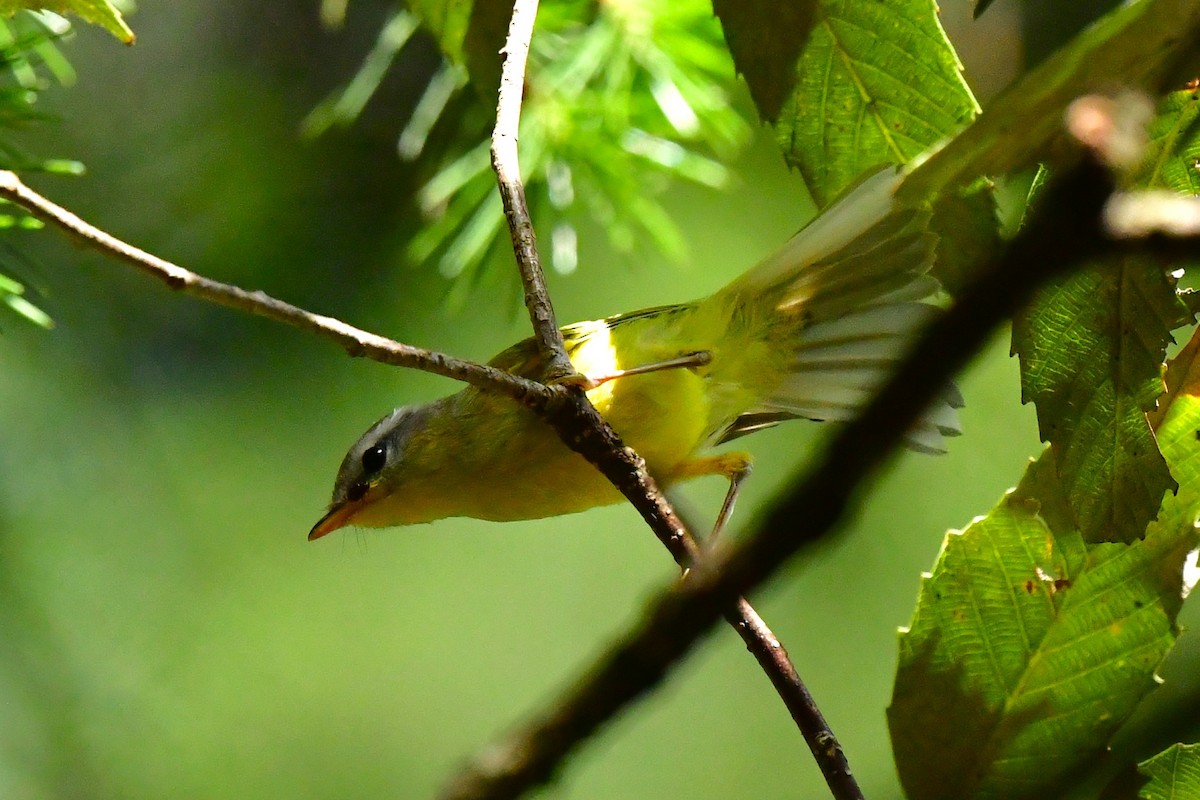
892, 321
842, 300
848, 282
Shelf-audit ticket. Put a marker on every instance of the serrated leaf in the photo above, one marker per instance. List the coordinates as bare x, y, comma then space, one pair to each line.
765, 38
1173, 145
1182, 378
1023, 656
97, 12
1178, 433
1132, 46
1041, 488
1174, 774
1091, 347
877, 83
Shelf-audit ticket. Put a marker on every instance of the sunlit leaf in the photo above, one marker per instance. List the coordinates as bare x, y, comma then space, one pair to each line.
1029, 648
1131, 46
619, 98
12, 297
1175, 426
442, 87
27, 310
1025, 654
1173, 148
1174, 774
1092, 346
98, 12
877, 83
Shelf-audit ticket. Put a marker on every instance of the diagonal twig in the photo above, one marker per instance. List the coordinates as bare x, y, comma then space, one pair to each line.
355, 341
1065, 231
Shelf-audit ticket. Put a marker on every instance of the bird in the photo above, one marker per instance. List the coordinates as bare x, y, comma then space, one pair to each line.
807, 333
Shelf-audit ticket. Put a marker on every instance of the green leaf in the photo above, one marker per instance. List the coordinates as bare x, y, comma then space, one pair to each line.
27, 310
877, 83
620, 98
968, 234
1132, 46
766, 38
11, 295
1026, 652
97, 12
1173, 145
1176, 424
1029, 648
1091, 347
345, 104
1174, 774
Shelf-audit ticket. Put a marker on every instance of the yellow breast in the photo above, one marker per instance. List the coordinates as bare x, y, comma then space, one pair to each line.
662, 415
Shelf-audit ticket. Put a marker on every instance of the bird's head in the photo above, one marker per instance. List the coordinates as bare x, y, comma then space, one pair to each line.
366, 491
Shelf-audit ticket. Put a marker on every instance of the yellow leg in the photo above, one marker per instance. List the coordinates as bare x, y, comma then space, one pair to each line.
591, 381
734, 466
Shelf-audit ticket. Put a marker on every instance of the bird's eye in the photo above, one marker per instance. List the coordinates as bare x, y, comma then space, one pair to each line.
374, 458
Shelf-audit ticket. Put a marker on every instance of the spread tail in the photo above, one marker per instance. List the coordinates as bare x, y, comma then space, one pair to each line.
840, 303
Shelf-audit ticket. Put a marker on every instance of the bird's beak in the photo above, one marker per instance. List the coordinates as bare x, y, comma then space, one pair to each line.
338, 516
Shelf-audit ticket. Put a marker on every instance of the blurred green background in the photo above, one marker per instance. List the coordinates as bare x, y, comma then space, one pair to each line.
166, 628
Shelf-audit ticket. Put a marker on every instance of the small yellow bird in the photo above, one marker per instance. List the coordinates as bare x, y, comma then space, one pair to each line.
808, 333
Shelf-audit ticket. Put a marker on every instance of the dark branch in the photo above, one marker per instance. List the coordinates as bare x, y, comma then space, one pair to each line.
1064, 233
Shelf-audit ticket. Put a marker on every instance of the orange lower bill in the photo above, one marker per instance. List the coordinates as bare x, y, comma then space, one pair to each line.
339, 516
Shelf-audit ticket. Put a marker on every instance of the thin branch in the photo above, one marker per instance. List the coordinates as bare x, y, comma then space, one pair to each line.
530, 756
571, 414
356, 342
507, 165
1064, 232
775, 661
